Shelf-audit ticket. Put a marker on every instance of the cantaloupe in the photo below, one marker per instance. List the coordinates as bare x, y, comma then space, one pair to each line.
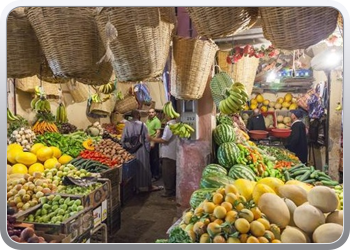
280, 118
327, 233
272, 104
294, 235
307, 187
275, 209
335, 217
291, 207
324, 198
308, 218
293, 192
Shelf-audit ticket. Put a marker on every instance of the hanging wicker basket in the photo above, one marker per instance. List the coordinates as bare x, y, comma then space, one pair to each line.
214, 22
69, 39
244, 71
104, 108
127, 104
297, 27
23, 48
80, 92
140, 42
191, 66
28, 84
46, 74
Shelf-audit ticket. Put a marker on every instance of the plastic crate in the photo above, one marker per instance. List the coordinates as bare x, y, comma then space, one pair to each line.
99, 234
129, 169
115, 176
113, 221
127, 190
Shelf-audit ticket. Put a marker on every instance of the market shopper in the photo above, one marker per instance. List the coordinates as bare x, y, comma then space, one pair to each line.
168, 158
154, 125
297, 141
256, 121
135, 128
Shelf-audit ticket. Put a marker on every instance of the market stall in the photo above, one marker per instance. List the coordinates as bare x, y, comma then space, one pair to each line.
68, 175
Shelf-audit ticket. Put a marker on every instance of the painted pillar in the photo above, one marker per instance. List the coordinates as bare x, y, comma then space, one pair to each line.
194, 155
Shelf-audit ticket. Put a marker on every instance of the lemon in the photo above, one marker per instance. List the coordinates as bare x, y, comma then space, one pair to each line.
12, 154
14, 146
19, 169
44, 153
50, 163
56, 152
64, 159
263, 108
288, 97
36, 167
254, 102
36, 147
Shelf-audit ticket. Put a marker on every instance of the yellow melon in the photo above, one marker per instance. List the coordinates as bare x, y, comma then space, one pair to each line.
12, 154
286, 104
245, 188
272, 182
259, 98
263, 108
35, 147
293, 106
253, 106
64, 159
50, 163
44, 153
56, 152
288, 97
26, 158
14, 146
19, 169
280, 100
259, 190
36, 167
266, 102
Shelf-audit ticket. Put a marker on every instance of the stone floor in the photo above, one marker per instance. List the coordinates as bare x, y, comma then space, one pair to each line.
146, 217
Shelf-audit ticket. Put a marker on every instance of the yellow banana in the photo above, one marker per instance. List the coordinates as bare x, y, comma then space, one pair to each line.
188, 127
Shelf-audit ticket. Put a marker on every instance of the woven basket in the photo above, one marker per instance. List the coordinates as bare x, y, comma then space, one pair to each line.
340, 23
104, 108
127, 104
69, 39
142, 44
244, 71
46, 74
28, 84
297, 27
191, 66
80, 92
23, 48
214, 22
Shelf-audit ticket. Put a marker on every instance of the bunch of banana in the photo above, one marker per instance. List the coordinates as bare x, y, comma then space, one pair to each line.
34, 101
61, 114
169, 110
236, 99
42, 105
181, 129
96, 98
107, 88
11, 117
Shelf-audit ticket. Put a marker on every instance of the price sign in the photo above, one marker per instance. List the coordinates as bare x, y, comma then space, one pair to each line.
189, 115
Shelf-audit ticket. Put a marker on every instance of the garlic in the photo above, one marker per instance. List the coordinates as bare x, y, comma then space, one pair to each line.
23, 137
15, 132
27, 131
17, 136
25, 142
21, 132
28, 146
28, 136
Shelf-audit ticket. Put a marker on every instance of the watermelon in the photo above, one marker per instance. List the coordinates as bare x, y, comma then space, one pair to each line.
214, 169
240, 171
227, 154
200, 195
224, 133
213, 181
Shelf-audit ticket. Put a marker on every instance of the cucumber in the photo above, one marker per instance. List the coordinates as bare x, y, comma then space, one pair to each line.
286, 176
324, 178
330, 183
299, 172
314, 174
298, 166
310, 181
305, 176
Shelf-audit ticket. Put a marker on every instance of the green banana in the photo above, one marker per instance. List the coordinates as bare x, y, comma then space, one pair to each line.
34, 101
232, 103
188, 127
10, 116
58, 114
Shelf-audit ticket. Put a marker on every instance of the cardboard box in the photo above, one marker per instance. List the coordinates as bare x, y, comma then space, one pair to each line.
58, 238
104, 210
97, 215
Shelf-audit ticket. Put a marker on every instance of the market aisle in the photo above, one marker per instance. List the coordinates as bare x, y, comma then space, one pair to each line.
146, 217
